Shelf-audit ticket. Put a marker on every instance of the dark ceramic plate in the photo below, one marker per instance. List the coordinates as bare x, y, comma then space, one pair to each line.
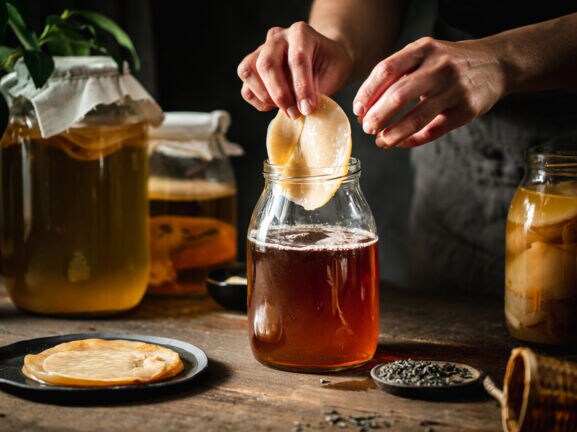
467, 385
12, 380
228, 286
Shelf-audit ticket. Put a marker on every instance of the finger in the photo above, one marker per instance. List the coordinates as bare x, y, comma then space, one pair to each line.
300, 62
273, 70
442, 124
382, 76
414, 120
247, 73
249, 96
401, 95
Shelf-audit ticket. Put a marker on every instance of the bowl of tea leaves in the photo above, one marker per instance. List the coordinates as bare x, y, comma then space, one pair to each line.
426, 379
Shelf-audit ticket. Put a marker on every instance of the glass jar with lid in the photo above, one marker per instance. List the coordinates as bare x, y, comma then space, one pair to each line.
313, 282
73, 201
192, 192
541, 249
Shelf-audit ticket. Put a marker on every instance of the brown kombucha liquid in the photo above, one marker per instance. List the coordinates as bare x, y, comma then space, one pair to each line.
313, 299
74, 219
193, 231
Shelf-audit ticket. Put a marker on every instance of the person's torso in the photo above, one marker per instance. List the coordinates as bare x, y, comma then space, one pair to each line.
480, 18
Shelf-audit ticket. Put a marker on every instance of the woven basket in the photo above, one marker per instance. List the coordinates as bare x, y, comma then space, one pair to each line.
539, 393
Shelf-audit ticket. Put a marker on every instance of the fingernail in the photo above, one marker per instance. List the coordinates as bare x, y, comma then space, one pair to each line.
384, 138
293, 113
368, 128
380, 143
306, 106
358, 108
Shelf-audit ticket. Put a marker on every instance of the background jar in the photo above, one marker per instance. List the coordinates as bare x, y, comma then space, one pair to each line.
192, 192
313, 283
73, 204
541, 249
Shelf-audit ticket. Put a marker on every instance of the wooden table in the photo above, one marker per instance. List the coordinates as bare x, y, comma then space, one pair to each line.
236, 393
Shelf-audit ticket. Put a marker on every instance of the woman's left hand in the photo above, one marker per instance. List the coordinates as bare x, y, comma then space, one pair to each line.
435, 86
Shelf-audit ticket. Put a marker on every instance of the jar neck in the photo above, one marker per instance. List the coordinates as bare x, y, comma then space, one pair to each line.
287, 174
559, 163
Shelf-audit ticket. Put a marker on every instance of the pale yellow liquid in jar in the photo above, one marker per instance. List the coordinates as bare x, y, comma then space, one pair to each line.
541, 264
75, 219
192, 231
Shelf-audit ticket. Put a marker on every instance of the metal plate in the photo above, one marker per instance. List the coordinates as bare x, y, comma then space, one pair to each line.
12, 380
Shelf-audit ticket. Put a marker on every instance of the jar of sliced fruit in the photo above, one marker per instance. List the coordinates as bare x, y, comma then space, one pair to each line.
541, 249
192, 192
73, 196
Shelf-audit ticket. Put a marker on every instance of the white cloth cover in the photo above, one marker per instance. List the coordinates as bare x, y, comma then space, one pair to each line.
76, 86
188, 134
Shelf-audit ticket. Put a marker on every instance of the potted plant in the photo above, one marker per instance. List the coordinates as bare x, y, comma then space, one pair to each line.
72, 33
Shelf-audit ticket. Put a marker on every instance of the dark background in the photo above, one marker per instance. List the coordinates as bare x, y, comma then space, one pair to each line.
189, 58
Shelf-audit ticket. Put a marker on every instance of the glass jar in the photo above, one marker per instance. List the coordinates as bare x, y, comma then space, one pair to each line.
192, 192
73, 205
541, 249
313, 283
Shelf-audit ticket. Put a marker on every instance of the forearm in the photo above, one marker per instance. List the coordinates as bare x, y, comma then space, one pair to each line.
539, 57
367, 29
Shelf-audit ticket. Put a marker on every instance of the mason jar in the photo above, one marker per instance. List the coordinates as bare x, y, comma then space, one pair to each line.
73, 204
313, 282
192, 192
541, 249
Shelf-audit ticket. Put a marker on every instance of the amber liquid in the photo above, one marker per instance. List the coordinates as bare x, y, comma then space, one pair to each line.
74, 219
541, 264
313, 299
193, 231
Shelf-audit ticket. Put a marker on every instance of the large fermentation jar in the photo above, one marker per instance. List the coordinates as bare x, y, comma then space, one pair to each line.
74, 208
313, 283
541, 249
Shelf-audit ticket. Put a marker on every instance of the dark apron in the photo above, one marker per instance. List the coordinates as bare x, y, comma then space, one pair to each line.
463, 186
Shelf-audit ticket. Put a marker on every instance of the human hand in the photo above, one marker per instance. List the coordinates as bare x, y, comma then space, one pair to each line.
291, 68
453, 83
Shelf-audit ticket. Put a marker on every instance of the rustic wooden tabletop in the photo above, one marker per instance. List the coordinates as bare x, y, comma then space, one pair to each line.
236, 393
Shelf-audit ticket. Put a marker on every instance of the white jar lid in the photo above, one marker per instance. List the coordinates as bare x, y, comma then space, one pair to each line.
184, 125
188, 134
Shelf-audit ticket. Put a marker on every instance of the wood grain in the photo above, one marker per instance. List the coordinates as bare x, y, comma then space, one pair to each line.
238, 394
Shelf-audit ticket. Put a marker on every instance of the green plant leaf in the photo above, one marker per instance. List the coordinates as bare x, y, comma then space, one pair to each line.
55, 23
26, 37
64, 38
40, 66
109, 26
60, 45
6, 53
3, 18
4, 114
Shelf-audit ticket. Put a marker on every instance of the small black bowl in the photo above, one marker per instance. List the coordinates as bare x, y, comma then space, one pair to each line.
467, 385
228, 286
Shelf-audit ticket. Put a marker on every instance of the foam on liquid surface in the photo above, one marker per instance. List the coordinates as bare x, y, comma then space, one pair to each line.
314, 237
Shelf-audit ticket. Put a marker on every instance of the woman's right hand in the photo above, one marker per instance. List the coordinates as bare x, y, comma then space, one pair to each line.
292, 66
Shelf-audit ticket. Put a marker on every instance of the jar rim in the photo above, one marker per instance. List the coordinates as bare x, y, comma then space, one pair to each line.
553, 156
279, 172
548, 149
